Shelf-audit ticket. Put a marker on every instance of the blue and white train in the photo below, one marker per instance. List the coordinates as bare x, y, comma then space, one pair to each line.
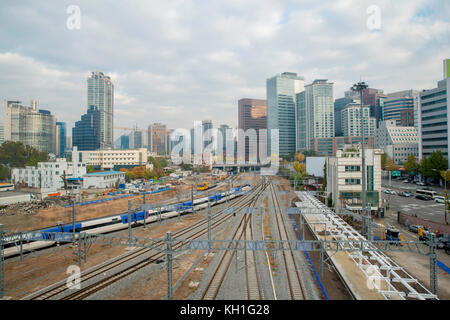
112, 223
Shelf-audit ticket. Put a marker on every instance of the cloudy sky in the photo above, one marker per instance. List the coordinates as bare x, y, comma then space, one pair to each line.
179, 61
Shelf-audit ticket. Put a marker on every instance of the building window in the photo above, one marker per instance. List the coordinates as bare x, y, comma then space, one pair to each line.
352, 168
352, 181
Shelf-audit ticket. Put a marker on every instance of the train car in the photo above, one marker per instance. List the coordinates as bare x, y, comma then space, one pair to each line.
112, 223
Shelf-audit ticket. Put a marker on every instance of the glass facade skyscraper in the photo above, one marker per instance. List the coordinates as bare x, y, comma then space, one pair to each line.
61, 139
30, 125
315, 113
281, 110
86, 133
100, 93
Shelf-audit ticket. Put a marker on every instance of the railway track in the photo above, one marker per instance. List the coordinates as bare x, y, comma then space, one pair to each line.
296, 289
217, 219
254, 290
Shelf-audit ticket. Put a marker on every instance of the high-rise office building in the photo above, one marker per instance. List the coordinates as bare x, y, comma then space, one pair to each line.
434, 117
100, 93
397, 102
351, 121
86, 133
158, 137
124, 142
61, 139
340, 104
374, 99
207, 133
282, 92
30, 125
252, 116
315, 113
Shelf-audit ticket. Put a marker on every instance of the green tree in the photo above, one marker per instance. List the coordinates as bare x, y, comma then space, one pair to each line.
383, 160
390, 165
5, 173
431, 167
90, 168
17, 155
411, 165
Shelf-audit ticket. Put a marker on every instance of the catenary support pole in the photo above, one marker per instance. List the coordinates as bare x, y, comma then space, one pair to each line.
433, 274
192, 198
2, 285
21, 246
73, 221
169, 264
130, 235
209, 225
178, 205
145, 211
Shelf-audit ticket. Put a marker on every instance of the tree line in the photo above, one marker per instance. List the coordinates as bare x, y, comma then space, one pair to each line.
17, 155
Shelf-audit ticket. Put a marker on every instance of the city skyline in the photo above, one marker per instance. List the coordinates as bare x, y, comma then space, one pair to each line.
169, 72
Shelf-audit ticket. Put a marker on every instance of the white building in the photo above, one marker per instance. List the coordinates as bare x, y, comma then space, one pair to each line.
344, 178
107, 159
314, 113
397, 142
49, 175
351, 121
104, 179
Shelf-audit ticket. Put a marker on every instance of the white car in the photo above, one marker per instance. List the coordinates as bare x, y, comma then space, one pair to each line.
389, 191
439, 199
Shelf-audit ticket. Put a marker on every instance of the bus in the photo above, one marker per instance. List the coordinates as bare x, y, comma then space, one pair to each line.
430, 193
6, 187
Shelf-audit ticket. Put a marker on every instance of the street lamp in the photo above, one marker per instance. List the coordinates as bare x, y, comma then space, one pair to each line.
359, 87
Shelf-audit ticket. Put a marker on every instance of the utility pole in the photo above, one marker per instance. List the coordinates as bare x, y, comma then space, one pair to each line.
359, 87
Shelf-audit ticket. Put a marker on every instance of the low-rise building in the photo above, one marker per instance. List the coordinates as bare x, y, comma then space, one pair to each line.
398, 142
50, 175
115, 159
104, 179
344, 178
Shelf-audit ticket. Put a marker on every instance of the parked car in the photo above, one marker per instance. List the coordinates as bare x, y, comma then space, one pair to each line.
389, 191
405, 194
421, 183
405, 181
423, 197
414, 228
442, 242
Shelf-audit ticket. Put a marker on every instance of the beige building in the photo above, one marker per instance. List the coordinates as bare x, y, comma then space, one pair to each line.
108, 159
344, 178
30, 125
398, 142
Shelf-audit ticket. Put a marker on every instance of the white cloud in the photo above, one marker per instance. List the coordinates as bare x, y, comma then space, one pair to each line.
179, 61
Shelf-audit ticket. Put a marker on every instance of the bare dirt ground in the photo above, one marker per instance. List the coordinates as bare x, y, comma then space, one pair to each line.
43, 269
